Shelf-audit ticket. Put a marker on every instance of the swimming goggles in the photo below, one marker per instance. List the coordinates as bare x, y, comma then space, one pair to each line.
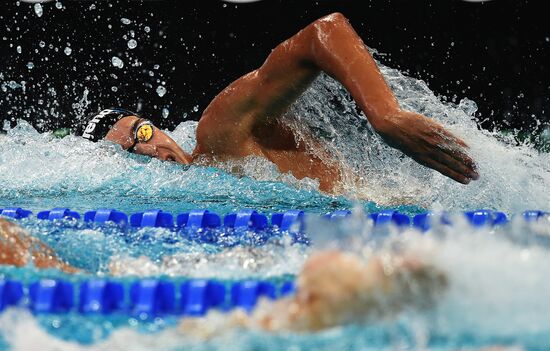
143, 132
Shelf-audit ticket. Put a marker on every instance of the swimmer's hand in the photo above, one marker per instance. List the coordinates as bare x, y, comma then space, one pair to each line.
429, 144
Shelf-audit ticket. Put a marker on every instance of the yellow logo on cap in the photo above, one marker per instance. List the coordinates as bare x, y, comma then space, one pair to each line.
144, 133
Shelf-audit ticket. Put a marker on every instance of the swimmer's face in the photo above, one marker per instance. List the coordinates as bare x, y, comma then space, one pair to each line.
155, 142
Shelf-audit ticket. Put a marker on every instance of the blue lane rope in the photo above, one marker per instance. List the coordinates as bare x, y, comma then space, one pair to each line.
143, 298
251, 220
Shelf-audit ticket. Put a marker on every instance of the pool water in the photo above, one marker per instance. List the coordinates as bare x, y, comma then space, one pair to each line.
498, 292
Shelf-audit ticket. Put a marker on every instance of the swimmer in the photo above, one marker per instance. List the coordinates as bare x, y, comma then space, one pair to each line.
245, 118
333, 288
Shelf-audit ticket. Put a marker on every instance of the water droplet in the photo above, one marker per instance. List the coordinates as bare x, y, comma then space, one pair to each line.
161, 90
38, 9
132, 44
18, 48
125, 20
67, 51
165, 112
42, 44
30, 65
117, 62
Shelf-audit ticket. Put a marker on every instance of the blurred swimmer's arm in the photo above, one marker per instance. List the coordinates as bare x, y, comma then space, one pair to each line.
335, 288
331, 45
17, 248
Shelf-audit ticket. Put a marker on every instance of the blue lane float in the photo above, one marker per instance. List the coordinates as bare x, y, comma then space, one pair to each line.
11, 292
246, 294
198, 219
200, 295
58, 214
152, 218
290, 221
245, 219
15, 212
152, 297
534, 215
481, 218
390, 216
102, 216
143, 298
51, 296
101, 296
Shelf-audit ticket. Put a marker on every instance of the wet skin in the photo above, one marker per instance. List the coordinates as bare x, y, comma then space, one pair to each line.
245, 118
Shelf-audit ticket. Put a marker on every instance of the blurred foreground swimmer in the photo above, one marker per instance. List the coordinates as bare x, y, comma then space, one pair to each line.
18, 248
245, 118
333, 288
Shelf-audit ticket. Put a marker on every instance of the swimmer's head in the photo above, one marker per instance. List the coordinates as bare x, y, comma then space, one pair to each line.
134, 134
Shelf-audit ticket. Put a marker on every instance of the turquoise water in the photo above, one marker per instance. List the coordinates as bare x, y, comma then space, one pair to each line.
498, 292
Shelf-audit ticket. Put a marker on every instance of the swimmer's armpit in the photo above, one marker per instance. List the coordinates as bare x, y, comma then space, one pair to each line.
18, 248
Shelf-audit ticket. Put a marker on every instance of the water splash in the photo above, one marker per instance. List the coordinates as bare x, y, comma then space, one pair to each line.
513, 177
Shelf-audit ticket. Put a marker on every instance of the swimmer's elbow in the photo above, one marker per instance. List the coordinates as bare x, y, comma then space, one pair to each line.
334, 17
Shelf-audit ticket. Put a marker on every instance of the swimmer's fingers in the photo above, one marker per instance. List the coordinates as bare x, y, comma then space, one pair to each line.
459, 164
445, 170
451, 153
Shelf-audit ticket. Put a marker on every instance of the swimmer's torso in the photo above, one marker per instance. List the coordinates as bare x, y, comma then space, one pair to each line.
274, 141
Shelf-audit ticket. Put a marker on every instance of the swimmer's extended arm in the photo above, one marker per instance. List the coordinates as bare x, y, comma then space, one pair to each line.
331, 45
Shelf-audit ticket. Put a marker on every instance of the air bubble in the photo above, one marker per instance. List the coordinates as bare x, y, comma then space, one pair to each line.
58, 5
30, 65
125, 21
42, 44
67, 51
117, 62
18, 48
147, 29
38, 9
161, 90
132, 44
165, 112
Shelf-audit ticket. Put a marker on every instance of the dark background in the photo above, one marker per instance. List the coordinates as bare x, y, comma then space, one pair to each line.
493, 52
